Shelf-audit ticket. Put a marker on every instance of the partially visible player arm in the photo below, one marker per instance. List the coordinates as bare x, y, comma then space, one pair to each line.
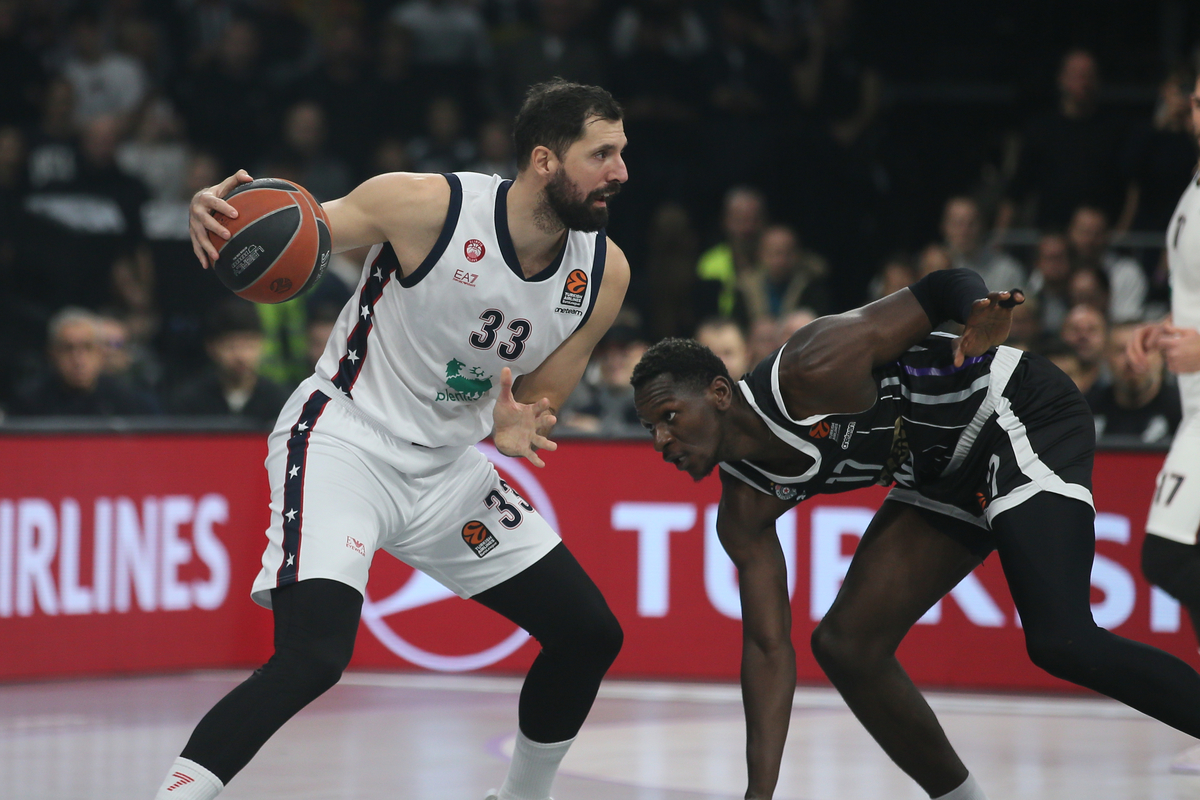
1181, 347
826, 366
746, 527
400, 206
548, 386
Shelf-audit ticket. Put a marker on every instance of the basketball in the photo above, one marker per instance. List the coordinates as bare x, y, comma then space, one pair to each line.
279, 244
474, 532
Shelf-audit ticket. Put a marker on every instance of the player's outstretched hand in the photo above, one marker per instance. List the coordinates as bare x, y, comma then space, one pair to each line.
1181, 347
1145, 339
201, 220
518, 428
991, 317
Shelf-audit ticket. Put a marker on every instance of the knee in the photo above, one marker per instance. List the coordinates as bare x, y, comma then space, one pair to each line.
594, 636
1063, 655
315, 667
842, 651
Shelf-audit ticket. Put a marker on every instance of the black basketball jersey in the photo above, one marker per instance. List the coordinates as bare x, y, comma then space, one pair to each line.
934, 428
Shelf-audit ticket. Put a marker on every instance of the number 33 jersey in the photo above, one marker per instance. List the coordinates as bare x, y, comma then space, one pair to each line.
422, 354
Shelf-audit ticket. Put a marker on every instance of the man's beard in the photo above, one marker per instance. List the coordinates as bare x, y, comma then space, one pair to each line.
562, 207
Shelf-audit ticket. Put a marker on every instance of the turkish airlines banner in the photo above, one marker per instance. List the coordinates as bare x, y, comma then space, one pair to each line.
135, 553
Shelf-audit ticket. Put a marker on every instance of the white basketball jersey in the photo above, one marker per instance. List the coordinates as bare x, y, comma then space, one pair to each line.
422, 354
1183, 258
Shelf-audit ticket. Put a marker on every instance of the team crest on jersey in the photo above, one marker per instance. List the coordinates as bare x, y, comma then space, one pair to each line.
473, 250
577, 283
787, 493
464, 384
479, 538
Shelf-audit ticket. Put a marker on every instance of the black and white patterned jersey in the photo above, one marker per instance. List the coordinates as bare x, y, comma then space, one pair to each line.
971, 441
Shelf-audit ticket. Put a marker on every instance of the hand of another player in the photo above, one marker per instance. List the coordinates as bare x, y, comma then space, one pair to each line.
1181, 347
991, 318
519, 429
1145, 339
201, 220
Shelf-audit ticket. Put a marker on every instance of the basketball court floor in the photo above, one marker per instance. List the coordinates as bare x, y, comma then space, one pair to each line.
437, 737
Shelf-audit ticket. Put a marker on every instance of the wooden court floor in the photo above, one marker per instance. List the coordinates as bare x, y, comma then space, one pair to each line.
424, 736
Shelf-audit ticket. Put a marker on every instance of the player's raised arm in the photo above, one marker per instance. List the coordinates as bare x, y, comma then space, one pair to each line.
826, 366
395, 206
746, 527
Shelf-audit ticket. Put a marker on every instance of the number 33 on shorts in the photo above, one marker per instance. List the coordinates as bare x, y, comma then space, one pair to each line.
510, 515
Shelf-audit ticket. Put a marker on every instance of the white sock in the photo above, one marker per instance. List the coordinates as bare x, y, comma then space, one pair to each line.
533, 768
187, 780
967, 790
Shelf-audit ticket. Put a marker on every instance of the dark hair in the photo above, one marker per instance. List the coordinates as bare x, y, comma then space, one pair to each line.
687, 362
554, 113
231, 315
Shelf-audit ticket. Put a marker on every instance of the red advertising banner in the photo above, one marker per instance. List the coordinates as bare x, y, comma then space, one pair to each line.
133, 553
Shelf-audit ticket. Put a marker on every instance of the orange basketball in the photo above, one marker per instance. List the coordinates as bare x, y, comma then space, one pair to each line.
279, 243
576, 281
474, 532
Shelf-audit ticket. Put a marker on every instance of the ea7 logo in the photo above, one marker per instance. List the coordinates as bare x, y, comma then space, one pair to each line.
479, 538
464, 277
576, 287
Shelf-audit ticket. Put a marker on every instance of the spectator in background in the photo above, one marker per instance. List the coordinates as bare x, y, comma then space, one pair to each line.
321, 321
742, 221
450, 44
52, 143
231, 384
495, 150
966, 243
402, 92
1087, 239
21, 66
557, 45
762, 340
126, 360
1025, 330
158, 153
443, 147
725, 338
106, 83
89, 231
676, 298
304, 157
1063, 356
785, 277
1089, 286
1160, 158
1134, 402
1085, 331
1049, 281
1069, 157
932, 258
76, 384
895, 274
602, 403
348, 99
235, 82
793, 322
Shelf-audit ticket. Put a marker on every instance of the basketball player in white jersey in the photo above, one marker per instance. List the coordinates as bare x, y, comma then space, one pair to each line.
477, 310
1170, 553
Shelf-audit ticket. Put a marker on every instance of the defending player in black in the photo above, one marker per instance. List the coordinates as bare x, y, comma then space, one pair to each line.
987, 448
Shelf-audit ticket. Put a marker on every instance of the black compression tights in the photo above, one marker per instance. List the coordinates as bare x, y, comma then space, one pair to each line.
1174, 567
1046, 546
315, 624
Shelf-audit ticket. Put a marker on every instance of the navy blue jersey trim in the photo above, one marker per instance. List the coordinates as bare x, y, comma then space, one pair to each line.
506, 243
382, 269
597, 276
293, 487
443, 240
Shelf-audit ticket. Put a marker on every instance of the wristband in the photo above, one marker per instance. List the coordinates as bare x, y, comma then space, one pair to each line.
949, 294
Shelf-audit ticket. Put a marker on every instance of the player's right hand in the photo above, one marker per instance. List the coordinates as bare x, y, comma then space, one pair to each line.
201, 220
1144, 339
988, 326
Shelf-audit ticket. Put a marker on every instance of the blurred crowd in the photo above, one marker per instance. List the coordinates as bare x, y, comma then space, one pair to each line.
788, 159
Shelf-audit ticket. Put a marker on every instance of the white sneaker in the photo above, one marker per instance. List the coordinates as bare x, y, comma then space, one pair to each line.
1187, 762
493, 794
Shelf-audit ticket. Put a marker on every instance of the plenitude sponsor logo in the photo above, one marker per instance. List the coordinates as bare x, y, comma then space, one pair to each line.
128, 556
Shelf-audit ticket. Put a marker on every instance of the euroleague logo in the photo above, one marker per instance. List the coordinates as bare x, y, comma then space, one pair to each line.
395, 620
473, 250
573, 292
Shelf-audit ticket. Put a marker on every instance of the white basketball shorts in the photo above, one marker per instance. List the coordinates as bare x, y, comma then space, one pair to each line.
342, 487
1175, 508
